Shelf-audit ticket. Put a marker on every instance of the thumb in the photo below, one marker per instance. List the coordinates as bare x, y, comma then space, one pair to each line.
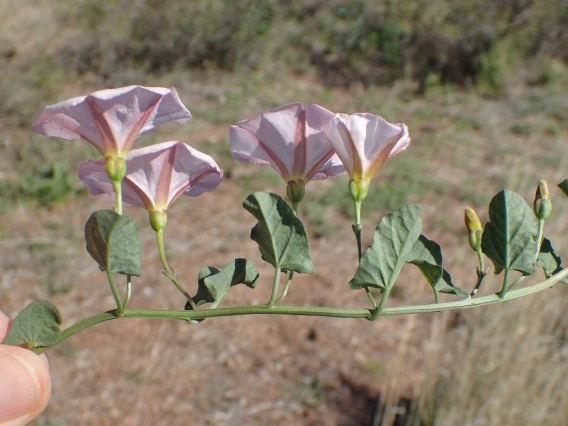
25, 385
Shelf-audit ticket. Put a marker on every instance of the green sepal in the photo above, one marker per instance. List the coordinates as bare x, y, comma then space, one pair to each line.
213, 284
37, 325
509, 238
564, 186
427, 256
280, 234
113, 241
393, 241
549, 260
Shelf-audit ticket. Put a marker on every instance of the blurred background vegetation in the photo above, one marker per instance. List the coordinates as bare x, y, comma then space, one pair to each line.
488, 77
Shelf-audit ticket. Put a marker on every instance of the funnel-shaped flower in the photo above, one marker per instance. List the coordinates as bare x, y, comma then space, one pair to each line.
112, 119
290, 140
156, 175
364, 142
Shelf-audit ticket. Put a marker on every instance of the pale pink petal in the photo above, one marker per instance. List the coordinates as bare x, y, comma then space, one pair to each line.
364, 142
94, 175
288, 138
332, 168
157, 175
112, 119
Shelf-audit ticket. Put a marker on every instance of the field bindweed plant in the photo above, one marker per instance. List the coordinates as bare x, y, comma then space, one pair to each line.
301, 144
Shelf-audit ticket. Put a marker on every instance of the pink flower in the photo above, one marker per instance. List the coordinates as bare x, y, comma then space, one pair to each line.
290, 140
364, 142
157, 175
111, 120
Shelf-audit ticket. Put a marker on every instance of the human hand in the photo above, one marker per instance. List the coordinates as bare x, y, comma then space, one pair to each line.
25, 384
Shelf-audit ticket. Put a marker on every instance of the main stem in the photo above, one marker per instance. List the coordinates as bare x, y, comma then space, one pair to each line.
307, 311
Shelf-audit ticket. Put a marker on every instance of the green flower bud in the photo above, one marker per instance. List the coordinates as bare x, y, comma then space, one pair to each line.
542, 205
158, 220
116, 168
474, 229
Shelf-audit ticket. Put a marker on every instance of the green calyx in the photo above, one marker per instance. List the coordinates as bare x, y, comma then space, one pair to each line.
158, 220
116, 168
359, 189
295, 191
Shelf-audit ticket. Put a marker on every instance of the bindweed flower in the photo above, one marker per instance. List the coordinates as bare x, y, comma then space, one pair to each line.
290, 140
364, 142
156, 176
111, 120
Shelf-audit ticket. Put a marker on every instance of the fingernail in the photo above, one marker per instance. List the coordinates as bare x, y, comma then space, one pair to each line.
19, 387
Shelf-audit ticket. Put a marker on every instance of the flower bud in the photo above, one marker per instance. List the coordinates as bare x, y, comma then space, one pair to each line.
542, 205
116, 168
158, 220
359, 189
295, 191
474, 229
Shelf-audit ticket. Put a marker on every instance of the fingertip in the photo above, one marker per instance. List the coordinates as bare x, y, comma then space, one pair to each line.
26, 385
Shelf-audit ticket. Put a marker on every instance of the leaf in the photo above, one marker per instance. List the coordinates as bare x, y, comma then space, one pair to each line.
214, 284
37, 325
427, 256
280, 234
564, 186
509, 238
114, 243
392, 243
549, 260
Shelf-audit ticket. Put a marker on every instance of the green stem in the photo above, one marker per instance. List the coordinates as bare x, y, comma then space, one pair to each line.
436, 296
505, 287
517, 281
480, 273
128, 291
286, 288
118, 192
539, 238
168, 272
116, 294
307, 311
275, 284
357, 230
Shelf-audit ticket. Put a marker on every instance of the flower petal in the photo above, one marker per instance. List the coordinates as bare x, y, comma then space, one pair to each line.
364, 142
157, 175
112, 119
288, 138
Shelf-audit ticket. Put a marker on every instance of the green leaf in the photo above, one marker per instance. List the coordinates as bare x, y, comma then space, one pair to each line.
214, 284
37, 325
280, 234
114, 243
427, 256
549, 260
392, 243
564, 186
509, 238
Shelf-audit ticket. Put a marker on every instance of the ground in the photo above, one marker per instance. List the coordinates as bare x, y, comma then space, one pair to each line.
260, 370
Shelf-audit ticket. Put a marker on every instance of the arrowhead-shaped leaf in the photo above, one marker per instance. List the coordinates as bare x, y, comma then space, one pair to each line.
114, 243
509, 238
37, 325
392, 243
214, 284
280, 234
549, 260
564, 186
427, 256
